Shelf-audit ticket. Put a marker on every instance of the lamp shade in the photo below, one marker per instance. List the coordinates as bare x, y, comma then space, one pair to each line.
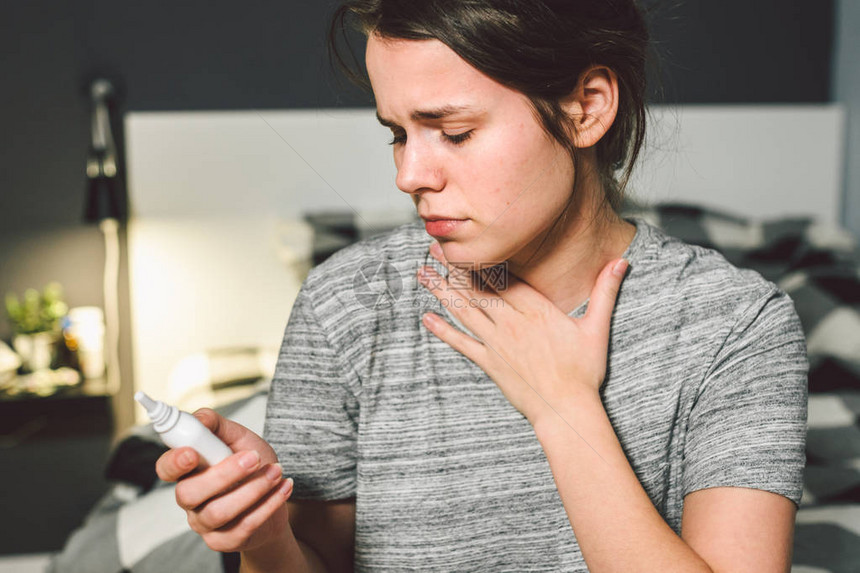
105, 190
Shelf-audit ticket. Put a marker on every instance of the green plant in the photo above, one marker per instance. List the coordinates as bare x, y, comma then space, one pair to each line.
38, 312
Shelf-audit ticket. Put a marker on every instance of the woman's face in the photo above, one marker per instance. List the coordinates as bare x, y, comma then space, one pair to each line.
468, 148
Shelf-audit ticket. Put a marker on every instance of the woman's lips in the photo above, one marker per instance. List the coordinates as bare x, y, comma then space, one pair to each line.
443, 227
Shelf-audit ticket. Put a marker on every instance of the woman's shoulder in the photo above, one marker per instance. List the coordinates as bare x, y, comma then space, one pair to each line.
693, 279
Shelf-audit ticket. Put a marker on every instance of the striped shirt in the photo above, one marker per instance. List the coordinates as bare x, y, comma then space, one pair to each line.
705, 387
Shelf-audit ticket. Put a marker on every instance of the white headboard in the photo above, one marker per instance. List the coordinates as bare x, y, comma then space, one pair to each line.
212, 192
760, 161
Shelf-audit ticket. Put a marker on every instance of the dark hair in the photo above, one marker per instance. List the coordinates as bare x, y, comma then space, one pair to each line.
537, 47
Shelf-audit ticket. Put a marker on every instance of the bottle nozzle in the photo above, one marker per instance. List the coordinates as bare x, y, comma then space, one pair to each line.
163, 416
145, 401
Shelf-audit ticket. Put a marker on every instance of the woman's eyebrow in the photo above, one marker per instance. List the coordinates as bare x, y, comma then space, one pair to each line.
437, 113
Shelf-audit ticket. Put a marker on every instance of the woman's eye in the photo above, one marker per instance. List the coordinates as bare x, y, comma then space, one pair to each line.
458, 138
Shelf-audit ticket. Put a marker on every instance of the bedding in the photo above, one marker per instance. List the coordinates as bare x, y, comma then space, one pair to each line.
137, 526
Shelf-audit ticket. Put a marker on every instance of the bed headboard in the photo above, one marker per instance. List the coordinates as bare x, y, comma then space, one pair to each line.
760, 161
215, 197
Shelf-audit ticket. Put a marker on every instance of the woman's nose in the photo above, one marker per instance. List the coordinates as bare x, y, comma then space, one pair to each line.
417, 169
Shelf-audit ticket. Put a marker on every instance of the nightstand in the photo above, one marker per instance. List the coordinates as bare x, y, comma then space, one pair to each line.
53, 451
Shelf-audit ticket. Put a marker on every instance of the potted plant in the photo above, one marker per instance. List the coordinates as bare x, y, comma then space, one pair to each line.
36, 323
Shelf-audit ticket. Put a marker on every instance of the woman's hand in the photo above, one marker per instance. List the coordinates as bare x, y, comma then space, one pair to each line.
238, 504
538, 356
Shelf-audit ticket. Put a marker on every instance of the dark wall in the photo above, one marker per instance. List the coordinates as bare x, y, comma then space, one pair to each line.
731, 51
196, 55
215, 55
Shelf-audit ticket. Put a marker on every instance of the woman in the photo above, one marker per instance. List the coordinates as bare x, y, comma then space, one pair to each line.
578, 414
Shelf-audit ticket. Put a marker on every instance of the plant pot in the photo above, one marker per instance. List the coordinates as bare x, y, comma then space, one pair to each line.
36, 350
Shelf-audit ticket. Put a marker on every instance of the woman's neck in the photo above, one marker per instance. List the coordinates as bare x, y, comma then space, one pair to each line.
574, 251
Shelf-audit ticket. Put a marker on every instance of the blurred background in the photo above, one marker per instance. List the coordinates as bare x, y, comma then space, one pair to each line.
194, 58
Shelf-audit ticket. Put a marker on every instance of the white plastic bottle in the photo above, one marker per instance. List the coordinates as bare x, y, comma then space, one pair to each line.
179, 429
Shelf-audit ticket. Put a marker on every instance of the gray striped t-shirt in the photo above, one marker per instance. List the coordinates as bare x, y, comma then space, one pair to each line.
706, 386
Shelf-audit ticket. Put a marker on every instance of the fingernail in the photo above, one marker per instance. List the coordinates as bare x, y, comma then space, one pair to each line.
186, 459
436, 248
274, 472
249, 460
287, 486
619, 268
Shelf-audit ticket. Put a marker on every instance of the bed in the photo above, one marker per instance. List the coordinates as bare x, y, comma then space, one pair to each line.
137, 527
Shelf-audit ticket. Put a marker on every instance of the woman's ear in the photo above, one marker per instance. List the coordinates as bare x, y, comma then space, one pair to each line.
593, 105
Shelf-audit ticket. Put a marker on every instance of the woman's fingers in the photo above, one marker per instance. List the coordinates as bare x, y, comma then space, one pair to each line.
175, 463
277, 498
194, 490
221, 510
466, 288
237, 534
514, 292
462, 343
235, 435
604, 295
497, 285
465, 308
234, 500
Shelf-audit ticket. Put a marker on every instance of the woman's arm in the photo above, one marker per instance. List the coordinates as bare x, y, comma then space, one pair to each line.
282, 554
617, 526
740, 529
619, 529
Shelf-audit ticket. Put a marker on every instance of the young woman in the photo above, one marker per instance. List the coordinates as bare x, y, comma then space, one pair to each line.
606, 399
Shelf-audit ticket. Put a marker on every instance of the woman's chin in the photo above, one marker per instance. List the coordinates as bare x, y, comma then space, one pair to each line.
465, 256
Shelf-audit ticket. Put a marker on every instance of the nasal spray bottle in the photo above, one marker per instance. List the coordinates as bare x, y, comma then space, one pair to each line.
179, 429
